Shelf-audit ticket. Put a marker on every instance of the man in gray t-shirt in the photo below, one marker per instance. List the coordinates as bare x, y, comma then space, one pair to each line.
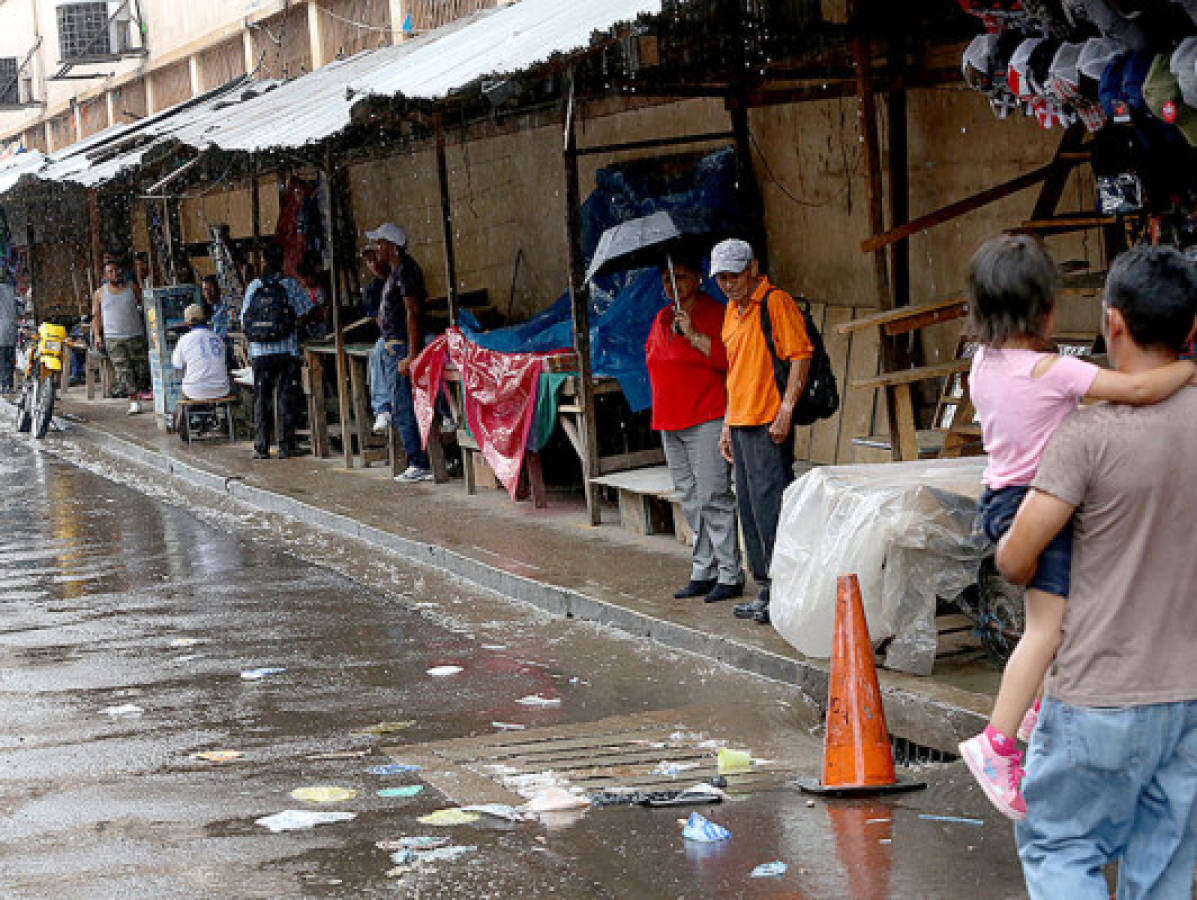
1112, 764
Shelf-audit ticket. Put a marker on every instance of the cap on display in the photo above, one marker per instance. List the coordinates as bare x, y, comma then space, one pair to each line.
194, 314
1162, 95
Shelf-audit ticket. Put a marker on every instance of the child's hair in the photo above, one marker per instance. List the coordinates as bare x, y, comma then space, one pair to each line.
1012, 289
1155, 289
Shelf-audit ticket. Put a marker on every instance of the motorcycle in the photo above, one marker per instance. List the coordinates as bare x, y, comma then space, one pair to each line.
39, 385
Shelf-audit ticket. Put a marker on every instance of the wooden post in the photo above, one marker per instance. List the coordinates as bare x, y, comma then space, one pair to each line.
579, 296
748, 191
338, 333
900, 413
97, 240
899, 177
442, 171
255, 212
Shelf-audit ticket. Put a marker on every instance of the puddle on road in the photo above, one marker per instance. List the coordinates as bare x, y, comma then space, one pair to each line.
120, 802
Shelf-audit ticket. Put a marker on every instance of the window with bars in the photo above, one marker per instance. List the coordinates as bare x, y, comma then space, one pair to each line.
83, 30
10, 82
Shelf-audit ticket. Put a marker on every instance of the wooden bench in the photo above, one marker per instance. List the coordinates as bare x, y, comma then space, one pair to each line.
188, 410
644, 494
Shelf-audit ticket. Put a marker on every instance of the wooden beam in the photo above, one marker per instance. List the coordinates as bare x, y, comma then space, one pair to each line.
867, 115
338, 334
910, 376
1067, 155
899, 178
580, 303
656, 142
948, 308
442, 171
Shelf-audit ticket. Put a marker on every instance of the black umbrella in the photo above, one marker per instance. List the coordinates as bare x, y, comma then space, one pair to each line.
642, 243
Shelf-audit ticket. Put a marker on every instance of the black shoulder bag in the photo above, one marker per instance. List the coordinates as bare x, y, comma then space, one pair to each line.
820, 398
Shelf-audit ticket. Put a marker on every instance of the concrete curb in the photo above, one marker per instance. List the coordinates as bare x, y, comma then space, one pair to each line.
927, 721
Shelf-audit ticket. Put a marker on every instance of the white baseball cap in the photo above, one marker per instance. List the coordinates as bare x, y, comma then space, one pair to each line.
731, 257
389, 231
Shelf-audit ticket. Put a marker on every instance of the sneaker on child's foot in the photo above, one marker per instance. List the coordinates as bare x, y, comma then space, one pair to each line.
1029, 721
412, 474
1000, 776
382, 422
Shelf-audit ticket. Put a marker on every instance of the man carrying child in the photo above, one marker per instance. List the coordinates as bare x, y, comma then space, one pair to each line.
1112, 765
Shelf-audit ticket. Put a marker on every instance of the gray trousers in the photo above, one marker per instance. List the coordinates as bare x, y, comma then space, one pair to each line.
703, 479
763, 471
8, 360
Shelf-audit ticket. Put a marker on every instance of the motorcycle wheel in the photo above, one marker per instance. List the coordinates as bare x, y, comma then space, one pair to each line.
24, 416
43, 407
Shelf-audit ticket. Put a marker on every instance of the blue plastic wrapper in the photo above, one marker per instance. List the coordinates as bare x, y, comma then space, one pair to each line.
704, 830
393, 769
623, 305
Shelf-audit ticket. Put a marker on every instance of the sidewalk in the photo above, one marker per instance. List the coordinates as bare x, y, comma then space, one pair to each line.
551, 558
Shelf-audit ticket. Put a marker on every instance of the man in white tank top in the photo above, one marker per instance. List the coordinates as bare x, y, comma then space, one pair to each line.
118, 327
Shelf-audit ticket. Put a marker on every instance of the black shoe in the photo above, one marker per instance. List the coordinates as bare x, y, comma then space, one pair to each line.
724, 592
258, 454
762, 615
752, 609
695, 589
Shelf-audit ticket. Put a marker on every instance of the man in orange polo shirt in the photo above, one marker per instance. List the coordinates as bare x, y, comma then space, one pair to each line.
758, 430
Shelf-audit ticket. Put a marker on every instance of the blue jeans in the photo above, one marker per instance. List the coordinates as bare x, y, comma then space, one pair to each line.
1107, 784
391, 392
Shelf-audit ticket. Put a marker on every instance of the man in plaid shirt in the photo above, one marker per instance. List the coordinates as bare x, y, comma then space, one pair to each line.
276, 365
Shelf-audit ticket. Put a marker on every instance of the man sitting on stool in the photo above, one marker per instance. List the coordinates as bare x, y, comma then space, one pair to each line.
201, 356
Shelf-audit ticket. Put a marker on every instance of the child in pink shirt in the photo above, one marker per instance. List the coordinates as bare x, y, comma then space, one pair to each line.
1022, 392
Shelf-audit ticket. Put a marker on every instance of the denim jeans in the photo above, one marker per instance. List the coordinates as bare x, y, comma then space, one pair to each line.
391, 392
1107, 784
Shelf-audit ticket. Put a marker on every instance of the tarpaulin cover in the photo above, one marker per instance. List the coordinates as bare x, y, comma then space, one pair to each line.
904, 529
622, 305
499, 395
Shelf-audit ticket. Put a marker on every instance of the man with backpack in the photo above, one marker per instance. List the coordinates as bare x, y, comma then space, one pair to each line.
764, 331
270, 315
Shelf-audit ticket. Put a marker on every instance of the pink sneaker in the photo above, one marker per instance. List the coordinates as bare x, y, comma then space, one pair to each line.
1029, 721
999, 776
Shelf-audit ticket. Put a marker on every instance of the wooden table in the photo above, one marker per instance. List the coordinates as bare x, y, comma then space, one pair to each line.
371, 448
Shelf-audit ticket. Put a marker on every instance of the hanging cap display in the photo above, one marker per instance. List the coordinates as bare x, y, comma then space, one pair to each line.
1184, 67
1096, 55
1162, 95
1017, 75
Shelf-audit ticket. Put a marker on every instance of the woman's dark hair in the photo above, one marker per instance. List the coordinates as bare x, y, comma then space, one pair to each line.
1155, 289
1011, 288
212, 280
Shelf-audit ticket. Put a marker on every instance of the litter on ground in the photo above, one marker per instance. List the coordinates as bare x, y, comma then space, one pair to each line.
392, 769
734, 760
384, 728
498, 811
406, 790
261, 672
556, 799
187, 642
217, 756
769, 870
323, 794
507, 726
339, 754
443, 671
703, 830
958, 820
538, 700
127, 710
299, 819
413, 842
445, 818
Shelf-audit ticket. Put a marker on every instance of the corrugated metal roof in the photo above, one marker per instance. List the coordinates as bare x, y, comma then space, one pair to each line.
500, 42
262, 116
15, 167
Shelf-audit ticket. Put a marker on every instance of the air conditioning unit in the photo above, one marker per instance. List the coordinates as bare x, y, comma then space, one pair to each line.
26, 89
10, 88
84, 33
121, 29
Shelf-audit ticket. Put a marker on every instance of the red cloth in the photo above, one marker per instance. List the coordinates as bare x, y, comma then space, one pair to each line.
688, 388
499, 391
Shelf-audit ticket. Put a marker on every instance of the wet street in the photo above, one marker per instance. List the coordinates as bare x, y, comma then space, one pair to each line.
126, 624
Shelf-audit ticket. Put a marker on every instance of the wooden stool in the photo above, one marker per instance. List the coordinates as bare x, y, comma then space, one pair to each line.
191, 410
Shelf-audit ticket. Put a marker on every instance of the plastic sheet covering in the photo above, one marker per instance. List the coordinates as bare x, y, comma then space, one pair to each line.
904, 529
623, 305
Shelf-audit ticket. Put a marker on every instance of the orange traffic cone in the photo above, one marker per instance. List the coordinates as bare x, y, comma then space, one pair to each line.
856, 754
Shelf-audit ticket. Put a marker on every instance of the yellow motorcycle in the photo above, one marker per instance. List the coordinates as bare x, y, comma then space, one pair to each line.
42, 369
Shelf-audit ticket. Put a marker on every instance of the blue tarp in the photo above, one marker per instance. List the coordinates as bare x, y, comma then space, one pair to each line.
622, 306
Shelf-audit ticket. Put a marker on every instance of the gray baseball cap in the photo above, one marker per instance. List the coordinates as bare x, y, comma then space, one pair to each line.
731, 257
1184, 66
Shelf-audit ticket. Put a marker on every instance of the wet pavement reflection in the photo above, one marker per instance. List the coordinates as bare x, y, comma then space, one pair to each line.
125, 625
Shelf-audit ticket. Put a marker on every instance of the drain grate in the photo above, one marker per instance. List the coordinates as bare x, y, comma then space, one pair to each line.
908, 753
645, 752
